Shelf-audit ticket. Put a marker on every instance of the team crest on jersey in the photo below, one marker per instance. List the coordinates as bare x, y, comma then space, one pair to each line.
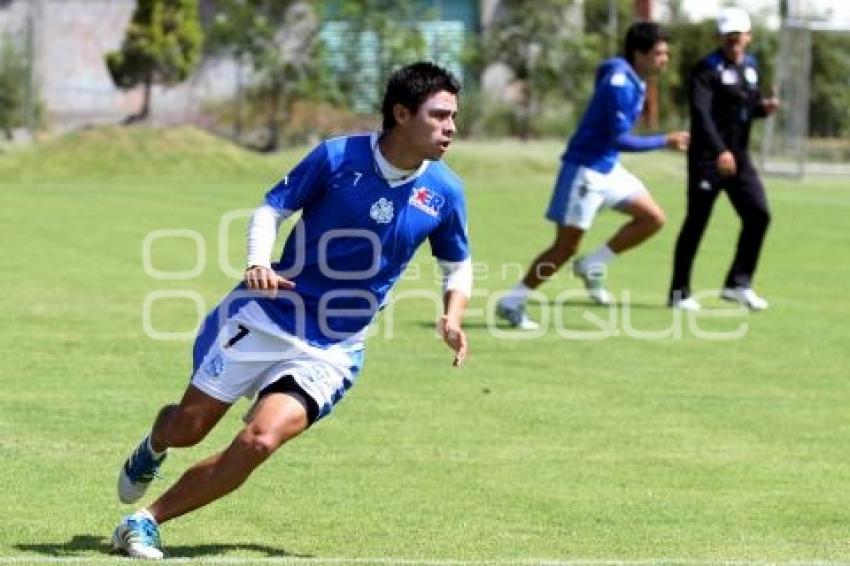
582, 190
729, 77
618, 79
427, 201
382, 211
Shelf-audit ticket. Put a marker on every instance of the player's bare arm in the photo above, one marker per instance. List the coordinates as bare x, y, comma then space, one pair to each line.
450, 325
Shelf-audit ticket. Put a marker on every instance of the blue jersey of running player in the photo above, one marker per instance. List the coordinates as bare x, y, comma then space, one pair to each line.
356, 235
617, 101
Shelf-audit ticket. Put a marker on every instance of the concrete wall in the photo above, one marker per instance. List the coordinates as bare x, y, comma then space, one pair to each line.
13, 17
69, 41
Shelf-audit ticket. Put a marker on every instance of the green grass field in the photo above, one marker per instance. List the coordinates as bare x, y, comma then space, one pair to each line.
624, 448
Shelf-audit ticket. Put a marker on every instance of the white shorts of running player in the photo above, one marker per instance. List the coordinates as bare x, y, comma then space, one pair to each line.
248, 352
580, 193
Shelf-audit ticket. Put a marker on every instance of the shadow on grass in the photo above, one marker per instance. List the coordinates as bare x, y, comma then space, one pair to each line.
85, 544
77, 544
570, 304
596, 306
217, 549
585, 306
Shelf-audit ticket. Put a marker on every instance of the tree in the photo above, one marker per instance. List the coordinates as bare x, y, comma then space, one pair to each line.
14, 76
162, 46
374, 38
829, 106
278, 39
690, 42
597, 20
536, 40
676, 10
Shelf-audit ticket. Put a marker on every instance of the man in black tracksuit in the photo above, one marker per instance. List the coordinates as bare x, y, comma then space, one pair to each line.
724, 99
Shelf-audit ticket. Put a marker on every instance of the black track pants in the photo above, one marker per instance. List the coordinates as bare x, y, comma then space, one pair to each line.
746, 194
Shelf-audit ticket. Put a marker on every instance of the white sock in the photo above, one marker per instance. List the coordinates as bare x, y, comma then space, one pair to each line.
599, 257
517, 296
145, 513
156, 455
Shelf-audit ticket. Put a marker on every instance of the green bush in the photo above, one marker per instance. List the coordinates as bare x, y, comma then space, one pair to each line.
162, 46
557, 119
829, 107
14, 78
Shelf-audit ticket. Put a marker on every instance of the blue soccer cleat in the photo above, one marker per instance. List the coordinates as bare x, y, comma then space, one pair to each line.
137, 536
137, 473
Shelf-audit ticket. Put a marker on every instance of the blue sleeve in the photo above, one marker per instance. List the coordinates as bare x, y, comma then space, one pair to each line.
618, 106
449, 241
304, 183
631, 142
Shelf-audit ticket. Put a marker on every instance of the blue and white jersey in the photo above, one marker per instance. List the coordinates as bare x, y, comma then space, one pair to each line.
356, 235
617, 101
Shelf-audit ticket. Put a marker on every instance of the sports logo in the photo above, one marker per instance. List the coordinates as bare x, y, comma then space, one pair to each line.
382, 211
582, 190
215, 366
729, 77
427, 201
618, 79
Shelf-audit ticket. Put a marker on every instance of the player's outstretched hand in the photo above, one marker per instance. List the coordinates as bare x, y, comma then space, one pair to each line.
454, 336
260, 278
678, 140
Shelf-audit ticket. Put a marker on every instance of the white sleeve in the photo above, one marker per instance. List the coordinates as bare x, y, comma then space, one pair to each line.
262, 233
457, 276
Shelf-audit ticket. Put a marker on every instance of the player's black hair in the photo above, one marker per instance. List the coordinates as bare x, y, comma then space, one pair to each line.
642, 36
411, 85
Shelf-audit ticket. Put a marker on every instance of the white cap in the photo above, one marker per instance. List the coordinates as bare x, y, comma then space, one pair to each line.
733, 20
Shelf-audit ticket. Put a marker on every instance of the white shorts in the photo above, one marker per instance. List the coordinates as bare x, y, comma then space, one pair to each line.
580, 193
248, 352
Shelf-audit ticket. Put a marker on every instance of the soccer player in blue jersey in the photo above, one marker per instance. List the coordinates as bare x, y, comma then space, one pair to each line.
291, 335
591, 177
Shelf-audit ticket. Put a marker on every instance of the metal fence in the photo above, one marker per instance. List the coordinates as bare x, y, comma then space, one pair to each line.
788, 148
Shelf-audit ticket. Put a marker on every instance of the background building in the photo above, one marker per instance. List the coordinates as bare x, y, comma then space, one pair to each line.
66, 41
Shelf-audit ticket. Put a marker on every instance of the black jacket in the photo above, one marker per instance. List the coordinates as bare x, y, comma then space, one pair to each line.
724, 99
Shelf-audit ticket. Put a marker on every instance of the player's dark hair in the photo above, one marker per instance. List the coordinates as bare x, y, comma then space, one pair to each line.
642, 36
411, 85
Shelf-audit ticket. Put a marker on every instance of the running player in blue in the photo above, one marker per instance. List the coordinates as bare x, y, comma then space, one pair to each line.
291, 336
591, 176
